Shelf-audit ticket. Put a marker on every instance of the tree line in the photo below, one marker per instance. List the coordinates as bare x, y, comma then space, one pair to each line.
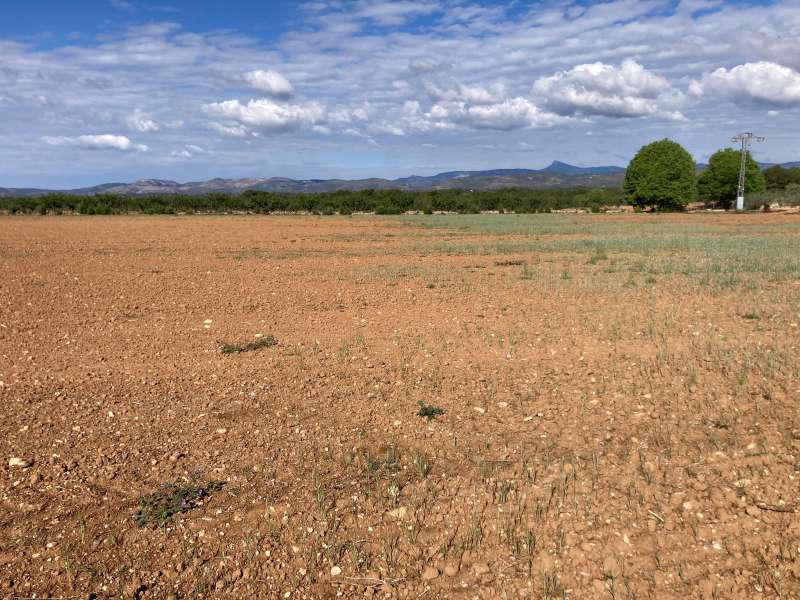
664, 175
520, 200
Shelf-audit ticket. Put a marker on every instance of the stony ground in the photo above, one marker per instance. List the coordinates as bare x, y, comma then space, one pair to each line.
618, 422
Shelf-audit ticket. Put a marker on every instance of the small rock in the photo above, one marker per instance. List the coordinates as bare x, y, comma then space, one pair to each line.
22, 463
399, 513
430, 573
480, 568
35, 479
450, 570
336, 571
133, 588
222, 431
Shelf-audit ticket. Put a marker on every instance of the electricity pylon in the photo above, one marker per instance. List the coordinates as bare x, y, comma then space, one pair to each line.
746, 138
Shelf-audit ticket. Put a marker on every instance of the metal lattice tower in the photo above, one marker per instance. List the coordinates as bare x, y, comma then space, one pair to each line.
746, 139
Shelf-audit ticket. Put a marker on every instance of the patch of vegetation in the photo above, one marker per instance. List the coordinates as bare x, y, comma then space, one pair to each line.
429, 411
258, 344
343, 202
509, 263
173, 498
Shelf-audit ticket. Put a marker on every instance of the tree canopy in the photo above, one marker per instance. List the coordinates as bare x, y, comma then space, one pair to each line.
662, 174
778, 178
719, 182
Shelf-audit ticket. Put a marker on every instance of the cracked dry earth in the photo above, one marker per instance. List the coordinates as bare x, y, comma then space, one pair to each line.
607, 433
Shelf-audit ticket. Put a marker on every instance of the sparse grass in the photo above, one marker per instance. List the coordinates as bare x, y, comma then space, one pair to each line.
257, 344
718, 254
158, 508
421, 463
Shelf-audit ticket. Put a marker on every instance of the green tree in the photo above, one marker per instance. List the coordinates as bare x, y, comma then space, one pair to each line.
661, 175
719, 182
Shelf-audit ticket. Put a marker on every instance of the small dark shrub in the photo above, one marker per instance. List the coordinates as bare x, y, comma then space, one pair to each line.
263, 342
429, 411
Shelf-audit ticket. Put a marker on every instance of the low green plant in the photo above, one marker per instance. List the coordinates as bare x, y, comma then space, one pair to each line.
429, 411
173, 498
258, 344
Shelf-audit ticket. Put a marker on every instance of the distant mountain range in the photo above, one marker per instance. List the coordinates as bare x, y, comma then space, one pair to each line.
556, 175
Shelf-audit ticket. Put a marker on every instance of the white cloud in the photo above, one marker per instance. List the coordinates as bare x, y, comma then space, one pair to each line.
514, 113
96, 142
458, 92
139, 121
271, 83
189, 151
123, 5
761, 82
232, 130
267, 115
629, 90
394, 12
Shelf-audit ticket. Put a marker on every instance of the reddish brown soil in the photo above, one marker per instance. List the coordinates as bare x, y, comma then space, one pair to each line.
600, 440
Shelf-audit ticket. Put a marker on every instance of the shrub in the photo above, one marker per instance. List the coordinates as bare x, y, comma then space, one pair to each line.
429, 411
263, 342
661, 175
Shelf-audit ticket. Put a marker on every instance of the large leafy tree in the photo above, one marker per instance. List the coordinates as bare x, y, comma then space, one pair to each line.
661, 175
719, 182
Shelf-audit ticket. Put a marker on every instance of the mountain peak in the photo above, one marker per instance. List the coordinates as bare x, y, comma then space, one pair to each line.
563, 168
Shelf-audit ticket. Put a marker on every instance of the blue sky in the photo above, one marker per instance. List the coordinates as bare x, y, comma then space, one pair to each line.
117, 90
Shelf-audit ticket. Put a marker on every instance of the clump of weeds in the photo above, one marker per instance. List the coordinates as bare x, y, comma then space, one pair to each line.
171, 499
422, 464
509, 263
258, 344
429, 411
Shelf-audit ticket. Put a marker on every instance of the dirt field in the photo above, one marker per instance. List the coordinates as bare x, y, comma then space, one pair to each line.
620, 398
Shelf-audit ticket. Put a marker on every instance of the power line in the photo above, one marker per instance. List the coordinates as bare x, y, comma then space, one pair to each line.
746, 138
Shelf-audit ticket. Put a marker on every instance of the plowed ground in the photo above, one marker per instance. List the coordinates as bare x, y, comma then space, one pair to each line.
620, 400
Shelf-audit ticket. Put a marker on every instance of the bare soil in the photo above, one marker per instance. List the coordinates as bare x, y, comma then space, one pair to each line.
605, 434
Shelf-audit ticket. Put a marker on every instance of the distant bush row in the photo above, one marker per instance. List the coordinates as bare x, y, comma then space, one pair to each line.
788, 196
521, 200
779, 178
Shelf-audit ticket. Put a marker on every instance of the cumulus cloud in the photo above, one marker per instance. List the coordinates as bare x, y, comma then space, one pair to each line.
271, 83
765, 83
628, 90
513, 113
96, 142
267, 115
139, 121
